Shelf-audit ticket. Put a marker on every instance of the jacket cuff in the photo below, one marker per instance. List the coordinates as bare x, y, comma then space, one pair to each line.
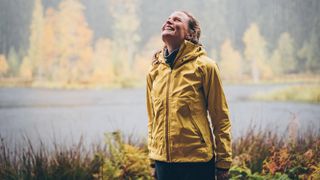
222, 170
152, 163
223, 165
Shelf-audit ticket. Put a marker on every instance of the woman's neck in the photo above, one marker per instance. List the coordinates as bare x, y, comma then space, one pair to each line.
173, 46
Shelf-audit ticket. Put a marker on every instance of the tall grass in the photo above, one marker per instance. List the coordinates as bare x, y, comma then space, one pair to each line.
257, 154
302, 93
117, 159
30, 162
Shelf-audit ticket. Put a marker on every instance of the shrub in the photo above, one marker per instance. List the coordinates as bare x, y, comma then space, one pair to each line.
125, 161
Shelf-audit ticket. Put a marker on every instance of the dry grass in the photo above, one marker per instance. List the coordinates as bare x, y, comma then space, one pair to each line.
258, 154
266, 155
306, 93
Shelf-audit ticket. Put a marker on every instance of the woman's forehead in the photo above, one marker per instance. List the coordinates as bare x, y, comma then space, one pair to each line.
179, 14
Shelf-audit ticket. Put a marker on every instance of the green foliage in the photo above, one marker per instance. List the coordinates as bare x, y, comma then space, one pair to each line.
125, 161
13, 62
237, 172
283, 58
309, 54
296, 171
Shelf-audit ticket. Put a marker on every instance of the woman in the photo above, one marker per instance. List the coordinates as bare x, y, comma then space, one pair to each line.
184, 98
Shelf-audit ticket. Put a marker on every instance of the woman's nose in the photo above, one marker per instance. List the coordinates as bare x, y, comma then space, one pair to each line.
169, 21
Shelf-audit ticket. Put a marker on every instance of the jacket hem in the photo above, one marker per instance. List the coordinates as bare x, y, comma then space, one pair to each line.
180, 159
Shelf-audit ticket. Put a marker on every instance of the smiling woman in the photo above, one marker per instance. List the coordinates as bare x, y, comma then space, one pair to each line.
179, 26
184, 85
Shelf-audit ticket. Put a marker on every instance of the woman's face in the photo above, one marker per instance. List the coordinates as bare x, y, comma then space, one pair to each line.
175, 29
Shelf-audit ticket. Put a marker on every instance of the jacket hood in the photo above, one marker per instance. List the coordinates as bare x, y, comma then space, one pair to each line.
188, 51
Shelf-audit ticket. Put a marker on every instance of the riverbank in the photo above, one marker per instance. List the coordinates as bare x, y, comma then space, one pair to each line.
309, 93
134, 82
256, 154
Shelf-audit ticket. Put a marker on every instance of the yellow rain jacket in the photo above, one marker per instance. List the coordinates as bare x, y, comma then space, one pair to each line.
180, 103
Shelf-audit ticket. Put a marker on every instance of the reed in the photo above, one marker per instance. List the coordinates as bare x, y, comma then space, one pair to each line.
257, 154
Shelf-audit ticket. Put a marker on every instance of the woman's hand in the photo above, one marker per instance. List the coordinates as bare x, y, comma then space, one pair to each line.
154, 172
222, 174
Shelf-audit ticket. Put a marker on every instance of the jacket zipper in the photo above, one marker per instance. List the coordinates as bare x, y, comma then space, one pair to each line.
167, 118
198, 130
167, 106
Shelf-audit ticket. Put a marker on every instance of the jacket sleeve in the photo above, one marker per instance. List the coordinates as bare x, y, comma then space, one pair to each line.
219, 115
149, 106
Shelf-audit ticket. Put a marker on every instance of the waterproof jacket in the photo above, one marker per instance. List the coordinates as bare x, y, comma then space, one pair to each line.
182, 103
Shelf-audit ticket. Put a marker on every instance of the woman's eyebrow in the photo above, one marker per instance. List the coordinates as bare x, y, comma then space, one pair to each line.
176, 17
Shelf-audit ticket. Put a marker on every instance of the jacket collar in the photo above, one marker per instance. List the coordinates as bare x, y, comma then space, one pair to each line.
188, 51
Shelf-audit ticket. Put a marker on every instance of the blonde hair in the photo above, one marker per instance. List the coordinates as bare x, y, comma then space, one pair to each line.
194, 28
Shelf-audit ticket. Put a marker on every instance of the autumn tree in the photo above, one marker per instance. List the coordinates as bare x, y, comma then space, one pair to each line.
214, 54
143, 59
31, 64
310, 54
13, 62
3, 65
51, 44
255, 53
103, 71
125, 35
283, 58
231, 61
72, 39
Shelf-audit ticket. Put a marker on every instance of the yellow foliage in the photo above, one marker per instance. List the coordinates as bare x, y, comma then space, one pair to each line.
142, 65
231, 62
136, 161
26, 69
255, 43
283, 58
35, 52
256, 53
125, 161
50, 46
305, 93
214, 54
125, 39
143, 60
126, 20
242, 160
3, 65
316, 173
102, 62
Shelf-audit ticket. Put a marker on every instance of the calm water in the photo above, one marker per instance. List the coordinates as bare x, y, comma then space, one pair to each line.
65, 115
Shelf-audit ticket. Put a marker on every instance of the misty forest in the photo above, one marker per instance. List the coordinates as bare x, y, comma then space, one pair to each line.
110, 43
73, 73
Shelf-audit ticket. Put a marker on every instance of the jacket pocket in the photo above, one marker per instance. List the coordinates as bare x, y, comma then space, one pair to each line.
188, 125
197, 130
158, 113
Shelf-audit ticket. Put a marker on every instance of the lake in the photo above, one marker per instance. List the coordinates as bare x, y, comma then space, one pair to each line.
64, 116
